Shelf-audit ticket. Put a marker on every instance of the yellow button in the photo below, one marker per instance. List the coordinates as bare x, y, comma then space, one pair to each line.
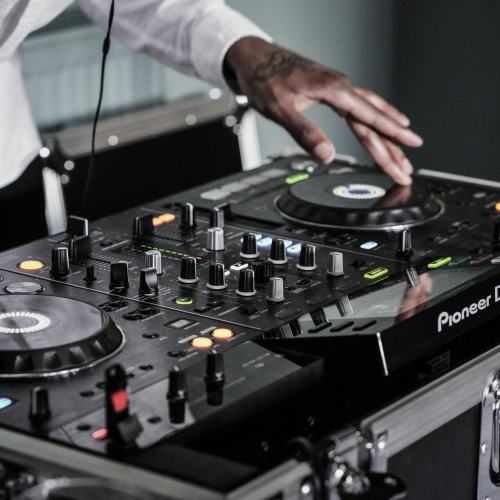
202, 342
497, 207
167, 217
157, 221
30, 265
222, 333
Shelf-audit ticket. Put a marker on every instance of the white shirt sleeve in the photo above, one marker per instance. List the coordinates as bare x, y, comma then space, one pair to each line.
191, 36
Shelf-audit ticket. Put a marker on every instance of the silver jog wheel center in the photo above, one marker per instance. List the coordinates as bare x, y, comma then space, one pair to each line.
23, 322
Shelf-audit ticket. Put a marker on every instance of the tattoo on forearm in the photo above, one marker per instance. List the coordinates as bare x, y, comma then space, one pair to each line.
280, 62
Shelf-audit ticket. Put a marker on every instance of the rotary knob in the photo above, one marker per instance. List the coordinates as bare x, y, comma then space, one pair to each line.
307, 258
153, 259
263, 272
59, 263
119, 274
148, 281
188, 217
177, 395
188, 270
216, 276
216, 217
215, 239
249, 246
275, 290
404, 242
335, 264
246, 283
278, 252
39, 406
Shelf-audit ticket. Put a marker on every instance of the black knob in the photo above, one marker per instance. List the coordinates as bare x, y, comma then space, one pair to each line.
246, 283
177, 395
90, 275
119, 274
496, 235
188, 216
143, 225
39, 405
216, 276
404, 242
148, 281
77, 226
59, 263
216, 217
307, 258
215, 378
188, 270
263, 272
278, 251
249, 246
79, 248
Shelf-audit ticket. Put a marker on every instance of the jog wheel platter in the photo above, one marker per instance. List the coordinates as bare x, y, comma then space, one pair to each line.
38, 337
361, 201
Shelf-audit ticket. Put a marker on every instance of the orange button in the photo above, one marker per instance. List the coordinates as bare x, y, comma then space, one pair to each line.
30, 265
167, 217
100, 434
157, 221
202, 342
497, 207
222, 333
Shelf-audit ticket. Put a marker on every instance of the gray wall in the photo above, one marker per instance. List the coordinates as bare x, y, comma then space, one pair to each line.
354, 36
448, 80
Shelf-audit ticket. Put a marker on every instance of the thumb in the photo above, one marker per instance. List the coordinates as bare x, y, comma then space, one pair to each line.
308, 136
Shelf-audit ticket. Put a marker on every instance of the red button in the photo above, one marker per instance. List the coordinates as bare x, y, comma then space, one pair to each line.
100, 434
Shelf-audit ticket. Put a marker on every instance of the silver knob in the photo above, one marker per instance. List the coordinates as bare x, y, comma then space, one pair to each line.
335, 264
153, 259
275, 290
215, 239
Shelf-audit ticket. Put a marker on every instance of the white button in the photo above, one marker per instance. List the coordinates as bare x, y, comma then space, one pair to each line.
235, 187
238, 266
214, 194
274, 172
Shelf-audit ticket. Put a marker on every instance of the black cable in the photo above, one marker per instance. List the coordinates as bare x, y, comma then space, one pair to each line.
105, 50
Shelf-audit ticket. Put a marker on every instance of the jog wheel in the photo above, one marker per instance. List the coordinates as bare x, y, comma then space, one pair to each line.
42, 335
358, 201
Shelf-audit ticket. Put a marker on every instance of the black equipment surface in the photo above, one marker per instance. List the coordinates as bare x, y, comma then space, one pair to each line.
164, 342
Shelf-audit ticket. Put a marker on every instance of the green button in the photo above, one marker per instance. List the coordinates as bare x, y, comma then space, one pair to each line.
439, 262
376, 273
184, 301
460, 260
296, 178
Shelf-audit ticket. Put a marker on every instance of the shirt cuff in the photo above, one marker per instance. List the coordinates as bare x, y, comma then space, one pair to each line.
213, 36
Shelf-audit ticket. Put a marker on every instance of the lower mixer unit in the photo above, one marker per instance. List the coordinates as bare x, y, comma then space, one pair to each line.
219, 343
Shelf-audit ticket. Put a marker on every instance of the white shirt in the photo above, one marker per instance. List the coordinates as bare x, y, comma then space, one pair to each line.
191, 36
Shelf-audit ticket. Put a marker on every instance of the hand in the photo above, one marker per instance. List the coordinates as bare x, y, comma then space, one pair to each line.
280, 84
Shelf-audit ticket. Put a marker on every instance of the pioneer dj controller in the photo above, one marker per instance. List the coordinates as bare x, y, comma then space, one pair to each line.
160, 328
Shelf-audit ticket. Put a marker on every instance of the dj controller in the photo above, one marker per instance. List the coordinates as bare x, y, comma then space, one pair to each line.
228, 341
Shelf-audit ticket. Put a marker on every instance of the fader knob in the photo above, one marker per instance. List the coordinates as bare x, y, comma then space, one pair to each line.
119, 274
249, 246
278, 252
188, 218
143, 225
215, 239
404, 242
79, 248
59, 263
263, 272
177, 395
153, 259
77, 226
307, 258
275, 290
216, 276
188, 270
214, 378
39, 405
335, 264
216, 217
496, 235
148, 281
246, 283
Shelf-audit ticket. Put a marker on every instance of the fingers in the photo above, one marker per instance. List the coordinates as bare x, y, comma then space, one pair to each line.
307, 135
351, 103
383, 106
387, 155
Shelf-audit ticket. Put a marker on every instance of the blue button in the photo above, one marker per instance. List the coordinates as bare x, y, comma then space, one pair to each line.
4, 402
265, 242
288, 243
369, 245
294, 248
